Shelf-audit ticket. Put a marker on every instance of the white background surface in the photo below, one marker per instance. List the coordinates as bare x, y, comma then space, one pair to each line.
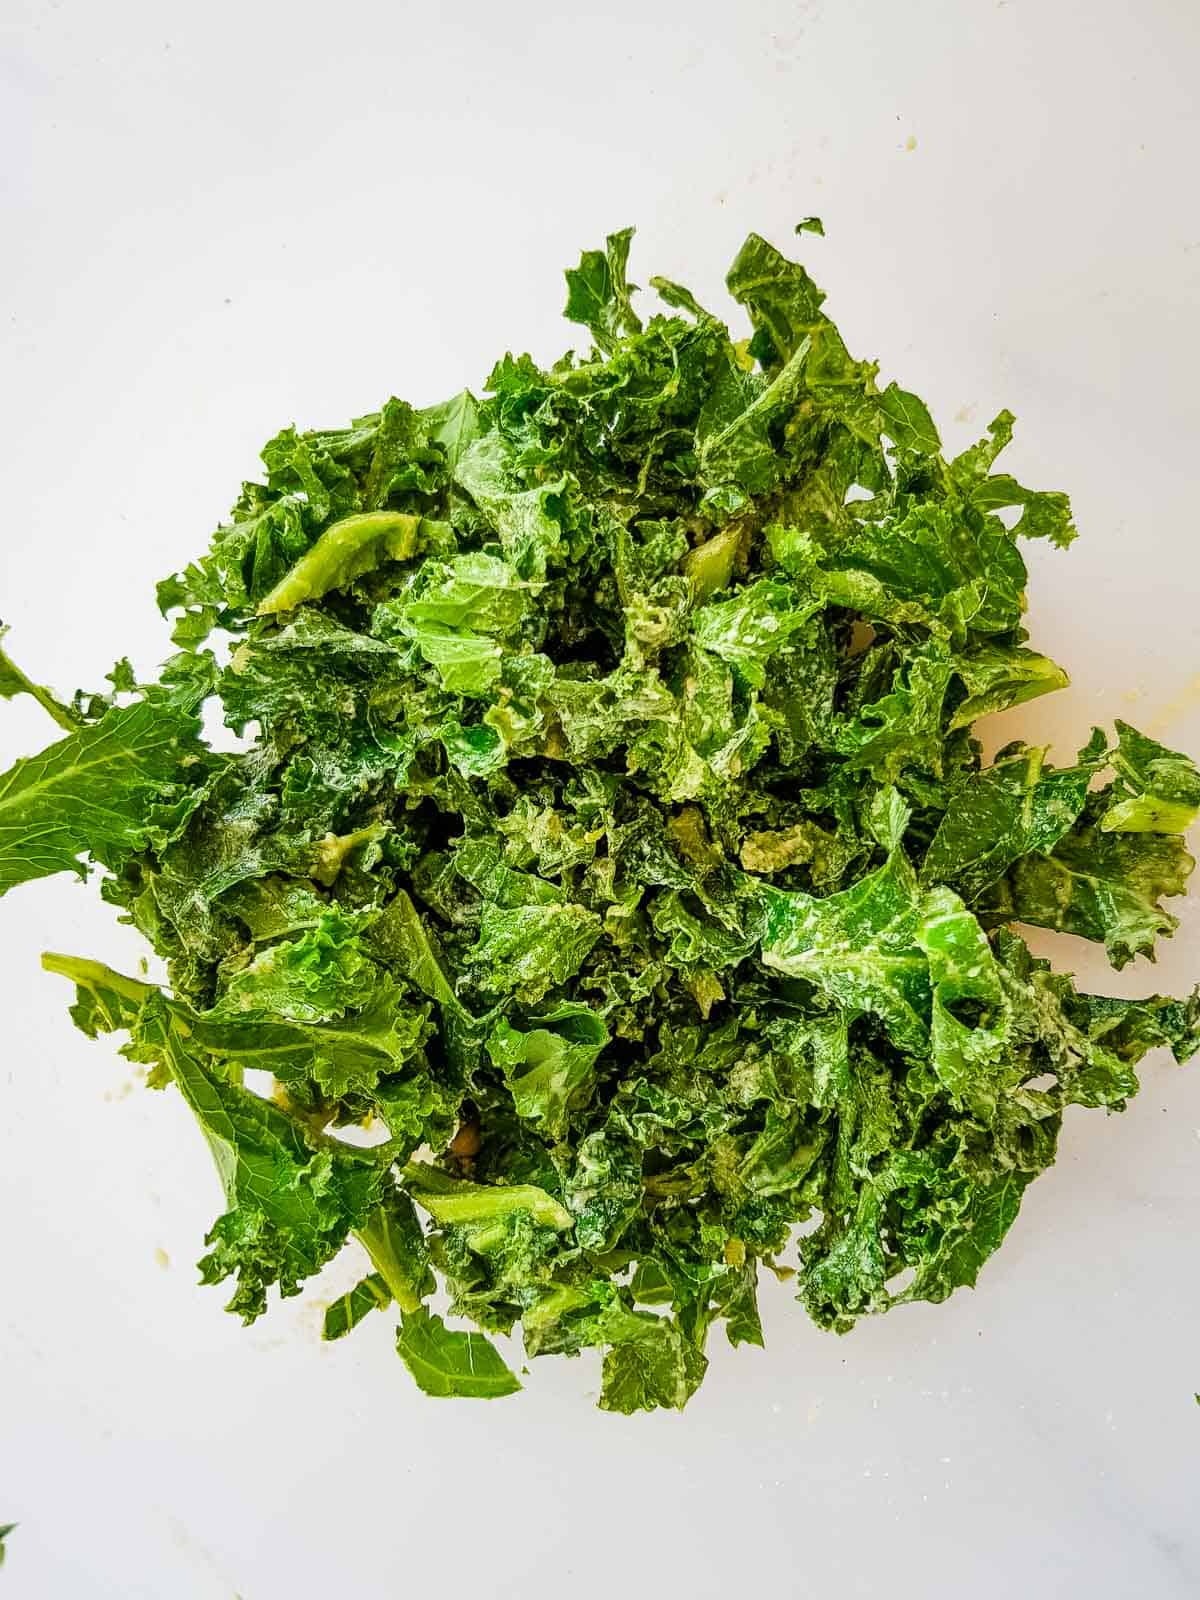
219, 218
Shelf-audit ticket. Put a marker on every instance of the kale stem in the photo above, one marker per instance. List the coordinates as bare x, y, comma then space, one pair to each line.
66, 718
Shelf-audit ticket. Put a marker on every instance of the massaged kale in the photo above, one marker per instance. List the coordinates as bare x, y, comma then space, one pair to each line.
610, 835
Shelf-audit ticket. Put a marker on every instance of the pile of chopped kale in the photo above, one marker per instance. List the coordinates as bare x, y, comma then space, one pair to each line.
609, 836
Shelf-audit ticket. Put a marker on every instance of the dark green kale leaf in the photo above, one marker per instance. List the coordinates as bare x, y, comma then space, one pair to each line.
1156, 790
445, 1363
1103, 886
598, 295
1004, 812
292, 1196
608, 876
105, 791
